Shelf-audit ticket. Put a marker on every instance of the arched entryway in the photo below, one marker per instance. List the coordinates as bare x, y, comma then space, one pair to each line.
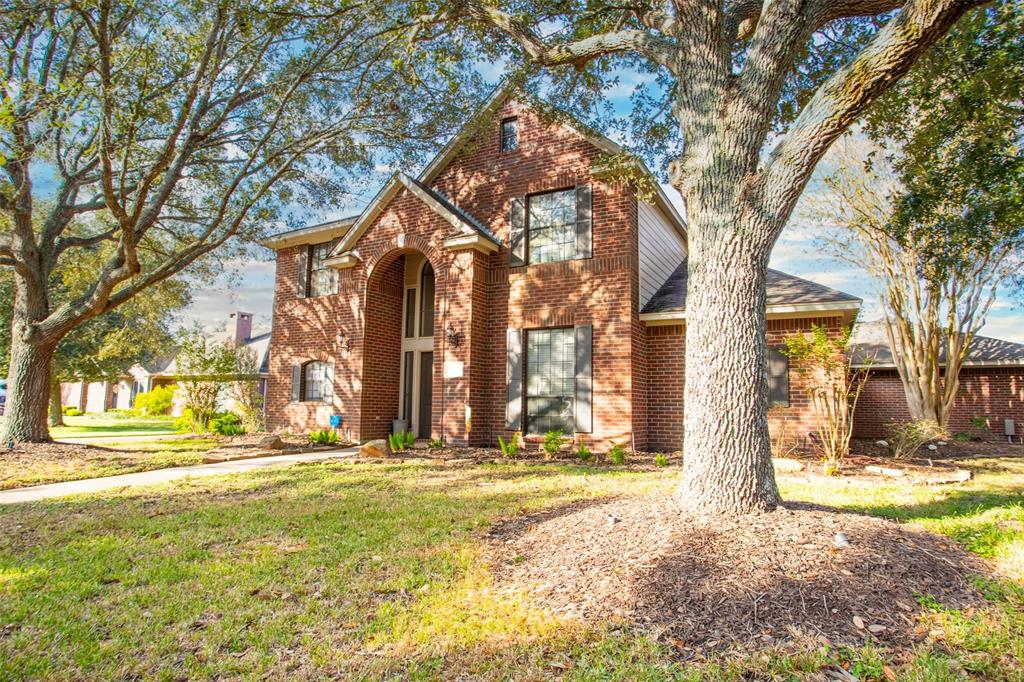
399, 357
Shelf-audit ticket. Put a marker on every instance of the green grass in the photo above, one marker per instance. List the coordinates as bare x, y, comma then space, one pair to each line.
376, 571
112, 426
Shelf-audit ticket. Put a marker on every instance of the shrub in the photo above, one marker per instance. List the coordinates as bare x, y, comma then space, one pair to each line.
227, 424
436, 443
183, 424
403, 440
511, 448
661, 460
324, 437
158, 401
617, 455
963, 437
906, 438
71, 411
584, 453
553, 442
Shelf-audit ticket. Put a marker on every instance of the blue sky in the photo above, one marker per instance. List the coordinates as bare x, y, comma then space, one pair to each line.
249, 285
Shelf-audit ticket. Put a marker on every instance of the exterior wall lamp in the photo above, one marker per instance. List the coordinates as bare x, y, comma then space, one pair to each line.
452, 336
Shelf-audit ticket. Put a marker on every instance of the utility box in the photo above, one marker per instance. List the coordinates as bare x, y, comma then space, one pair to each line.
1010, 428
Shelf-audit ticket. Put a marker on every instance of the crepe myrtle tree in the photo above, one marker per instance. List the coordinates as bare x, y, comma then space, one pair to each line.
739, 75
157, 133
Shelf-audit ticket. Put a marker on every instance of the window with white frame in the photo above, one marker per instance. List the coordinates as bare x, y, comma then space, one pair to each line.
551, 226
314, 380
321, 278
550, 380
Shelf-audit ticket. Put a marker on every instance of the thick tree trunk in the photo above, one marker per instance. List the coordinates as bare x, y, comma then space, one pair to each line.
56, 415
727, 466
28, 393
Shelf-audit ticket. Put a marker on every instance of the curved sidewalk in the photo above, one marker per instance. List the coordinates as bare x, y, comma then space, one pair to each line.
92, 485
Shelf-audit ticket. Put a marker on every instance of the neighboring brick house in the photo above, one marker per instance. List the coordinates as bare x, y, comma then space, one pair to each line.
991, 387
512, 285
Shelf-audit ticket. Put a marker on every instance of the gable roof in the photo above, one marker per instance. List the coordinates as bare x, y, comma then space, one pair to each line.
869, 345
310, 234
785, 294
444, 157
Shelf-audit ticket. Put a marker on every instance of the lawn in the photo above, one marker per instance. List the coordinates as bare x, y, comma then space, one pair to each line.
377, 571
108, 427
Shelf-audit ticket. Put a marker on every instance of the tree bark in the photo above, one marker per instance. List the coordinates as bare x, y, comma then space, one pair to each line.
56, 414
28, 393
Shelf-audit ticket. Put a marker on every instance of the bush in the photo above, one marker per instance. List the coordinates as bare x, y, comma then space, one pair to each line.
436, 443
963, 437
227, 424
906, 438
617, 455
553, 441
403, 440
71, 411
183, 424
324, 437
584, 453
158, 401
661, 460
511, 448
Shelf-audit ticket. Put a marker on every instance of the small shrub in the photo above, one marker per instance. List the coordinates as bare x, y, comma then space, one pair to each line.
227, 424
584, 453
617, 455
403, 440
511, 448
71, 411
324, 437
906, 438
436, 443
962, 437
409, 438
183, 424
158, 401
661, 460
553, 442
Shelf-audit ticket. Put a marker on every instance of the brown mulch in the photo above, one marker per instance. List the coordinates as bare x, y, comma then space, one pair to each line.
706, 584
869, 447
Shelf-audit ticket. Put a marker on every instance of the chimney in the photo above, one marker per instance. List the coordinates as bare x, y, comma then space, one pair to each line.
239, 327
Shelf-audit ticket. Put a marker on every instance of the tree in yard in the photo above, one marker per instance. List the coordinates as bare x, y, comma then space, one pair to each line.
203, 367
245, 391
156, 134
736, 74
936, 216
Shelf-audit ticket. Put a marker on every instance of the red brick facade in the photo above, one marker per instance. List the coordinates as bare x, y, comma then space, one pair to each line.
637, 370
991, 393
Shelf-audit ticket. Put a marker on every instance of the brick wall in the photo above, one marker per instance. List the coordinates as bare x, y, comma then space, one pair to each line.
996, 393
666, 349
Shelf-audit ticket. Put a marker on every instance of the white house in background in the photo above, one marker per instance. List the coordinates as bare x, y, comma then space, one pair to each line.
100, 396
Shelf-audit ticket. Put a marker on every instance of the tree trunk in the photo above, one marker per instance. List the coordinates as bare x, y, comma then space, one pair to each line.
28, 393
56, 415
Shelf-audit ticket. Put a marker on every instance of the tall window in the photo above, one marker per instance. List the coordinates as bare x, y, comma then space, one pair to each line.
427, 301
551, 225
509, 135
778, 378
314, 377
550, 380
321, 278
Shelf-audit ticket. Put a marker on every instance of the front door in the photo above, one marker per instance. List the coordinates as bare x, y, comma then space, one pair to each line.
426, 394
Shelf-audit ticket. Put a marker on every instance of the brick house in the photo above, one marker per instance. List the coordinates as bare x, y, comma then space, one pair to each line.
990, 398
512, 285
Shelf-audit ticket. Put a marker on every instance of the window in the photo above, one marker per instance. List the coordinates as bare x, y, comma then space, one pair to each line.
410, 313
550, 380
427, 301
778, 378
314, 379
551, 226
321, 277
509, 135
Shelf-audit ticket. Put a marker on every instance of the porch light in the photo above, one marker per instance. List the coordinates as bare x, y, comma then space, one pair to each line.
452, 336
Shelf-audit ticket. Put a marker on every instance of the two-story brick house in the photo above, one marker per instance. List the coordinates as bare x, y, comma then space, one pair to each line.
510, 286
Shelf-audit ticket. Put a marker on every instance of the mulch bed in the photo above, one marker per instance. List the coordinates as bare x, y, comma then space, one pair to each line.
709, 584
952, 449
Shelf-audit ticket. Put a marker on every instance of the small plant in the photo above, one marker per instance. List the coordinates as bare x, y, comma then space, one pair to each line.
553, 442
661, 460
324, 437
154, 402
511, 448
617, 455
403, 440
962, 437
183, 424
71, 411
436, 443
584, 453
227, 424
906, 438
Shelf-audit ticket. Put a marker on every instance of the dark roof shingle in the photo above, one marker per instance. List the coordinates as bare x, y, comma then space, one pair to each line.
869, 345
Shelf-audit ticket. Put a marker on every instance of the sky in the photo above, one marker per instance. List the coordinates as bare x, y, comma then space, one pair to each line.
249, 285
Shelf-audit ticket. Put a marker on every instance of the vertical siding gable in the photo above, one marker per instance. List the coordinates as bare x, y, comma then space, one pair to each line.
661, 250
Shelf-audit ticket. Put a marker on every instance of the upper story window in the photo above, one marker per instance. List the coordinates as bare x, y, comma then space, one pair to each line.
321, 277
551, 226
509, 135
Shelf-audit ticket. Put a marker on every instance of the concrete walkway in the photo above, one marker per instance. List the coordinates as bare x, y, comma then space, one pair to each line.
92, 485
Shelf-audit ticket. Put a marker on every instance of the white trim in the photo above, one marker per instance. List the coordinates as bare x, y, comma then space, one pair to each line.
314, 234
777, 310
342, 261
475, 241
375, 208
981, 364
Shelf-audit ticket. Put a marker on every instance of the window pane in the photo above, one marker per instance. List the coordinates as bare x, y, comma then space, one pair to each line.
509, 135
550, 380
410, 313
552, 226
314, 381
427, 301
320, 280
778, 378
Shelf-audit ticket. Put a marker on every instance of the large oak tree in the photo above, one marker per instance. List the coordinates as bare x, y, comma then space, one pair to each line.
757, 92
155, 133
